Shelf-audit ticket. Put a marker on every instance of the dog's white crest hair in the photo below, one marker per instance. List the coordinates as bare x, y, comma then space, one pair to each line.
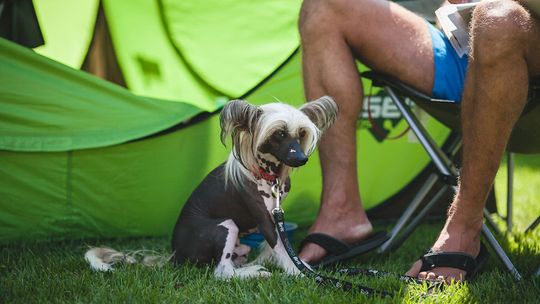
251, 126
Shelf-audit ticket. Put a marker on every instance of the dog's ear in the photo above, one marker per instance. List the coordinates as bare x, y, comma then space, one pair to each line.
238, 115
322, 112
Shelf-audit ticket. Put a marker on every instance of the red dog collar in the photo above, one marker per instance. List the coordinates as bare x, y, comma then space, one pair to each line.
267, 176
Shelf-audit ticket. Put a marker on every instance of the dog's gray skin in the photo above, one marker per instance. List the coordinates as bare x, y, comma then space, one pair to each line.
235, 198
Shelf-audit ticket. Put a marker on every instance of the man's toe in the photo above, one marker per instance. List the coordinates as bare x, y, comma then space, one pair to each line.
431, 276
415, 269
312, 253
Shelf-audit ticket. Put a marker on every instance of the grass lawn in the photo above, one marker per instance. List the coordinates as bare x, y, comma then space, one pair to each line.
57, 272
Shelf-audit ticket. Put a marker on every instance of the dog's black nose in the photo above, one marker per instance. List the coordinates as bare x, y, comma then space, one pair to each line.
295, 157
290, 153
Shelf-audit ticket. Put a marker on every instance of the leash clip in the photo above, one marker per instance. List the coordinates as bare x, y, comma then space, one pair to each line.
276, 192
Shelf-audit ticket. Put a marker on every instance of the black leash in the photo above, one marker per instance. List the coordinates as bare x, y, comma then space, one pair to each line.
380, 274
279, 220
322, 280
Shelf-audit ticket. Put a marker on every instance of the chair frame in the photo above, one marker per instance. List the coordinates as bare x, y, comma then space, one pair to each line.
446, 171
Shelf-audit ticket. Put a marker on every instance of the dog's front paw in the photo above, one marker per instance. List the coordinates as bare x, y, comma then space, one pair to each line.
250, 272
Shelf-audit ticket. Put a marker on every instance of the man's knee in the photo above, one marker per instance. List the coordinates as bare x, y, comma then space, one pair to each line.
319, 17
499, 28
316, 16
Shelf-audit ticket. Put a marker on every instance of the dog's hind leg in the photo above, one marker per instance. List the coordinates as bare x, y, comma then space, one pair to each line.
225, 269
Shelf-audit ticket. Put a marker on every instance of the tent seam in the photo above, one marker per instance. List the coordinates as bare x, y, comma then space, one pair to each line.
69, 176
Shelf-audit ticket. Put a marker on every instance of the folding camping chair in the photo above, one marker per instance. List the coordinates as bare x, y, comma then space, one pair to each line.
448, 113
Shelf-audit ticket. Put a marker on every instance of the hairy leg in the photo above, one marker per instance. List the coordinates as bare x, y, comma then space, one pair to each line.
387, 38
505, 44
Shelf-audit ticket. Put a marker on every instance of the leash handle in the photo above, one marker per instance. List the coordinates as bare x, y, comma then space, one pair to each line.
279, 220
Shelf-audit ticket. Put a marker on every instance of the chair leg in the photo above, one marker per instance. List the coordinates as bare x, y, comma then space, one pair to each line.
408, 213
404, 235
500, 252
533, 225
491, 223
446, 169
439, 159
400, 233
509, 191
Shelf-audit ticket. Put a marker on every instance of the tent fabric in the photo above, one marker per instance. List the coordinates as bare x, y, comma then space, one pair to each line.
201, 51
47, 106
254, 38
132, 189
73, 161
149, 63
67, 28
138, 187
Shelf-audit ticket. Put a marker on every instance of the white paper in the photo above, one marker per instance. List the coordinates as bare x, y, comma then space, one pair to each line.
454, 21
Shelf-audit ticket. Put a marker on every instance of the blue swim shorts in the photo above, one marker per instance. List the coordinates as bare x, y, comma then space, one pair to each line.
450, 69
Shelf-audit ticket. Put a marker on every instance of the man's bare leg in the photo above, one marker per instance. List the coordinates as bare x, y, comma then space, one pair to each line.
384, 36
505, 48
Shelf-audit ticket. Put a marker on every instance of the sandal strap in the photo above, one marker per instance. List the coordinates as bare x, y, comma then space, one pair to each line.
330, 244
456, 260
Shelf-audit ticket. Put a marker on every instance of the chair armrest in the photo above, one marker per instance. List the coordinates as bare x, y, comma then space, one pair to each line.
380, 80
446, 111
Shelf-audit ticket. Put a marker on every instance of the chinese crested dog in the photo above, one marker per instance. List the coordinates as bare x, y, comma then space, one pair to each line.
236, 198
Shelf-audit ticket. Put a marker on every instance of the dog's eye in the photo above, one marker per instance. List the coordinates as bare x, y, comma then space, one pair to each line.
282, 134
302, 133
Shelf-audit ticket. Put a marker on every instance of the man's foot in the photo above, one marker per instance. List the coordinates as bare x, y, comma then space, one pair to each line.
456, 236
349, 227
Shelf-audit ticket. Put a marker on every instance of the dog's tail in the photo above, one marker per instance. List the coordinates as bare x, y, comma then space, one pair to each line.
103, 258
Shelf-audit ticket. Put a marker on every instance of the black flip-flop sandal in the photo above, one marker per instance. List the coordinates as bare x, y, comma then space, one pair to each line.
458, 260
339, 251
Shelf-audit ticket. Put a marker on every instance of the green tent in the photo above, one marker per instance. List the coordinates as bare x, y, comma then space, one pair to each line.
82, 157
